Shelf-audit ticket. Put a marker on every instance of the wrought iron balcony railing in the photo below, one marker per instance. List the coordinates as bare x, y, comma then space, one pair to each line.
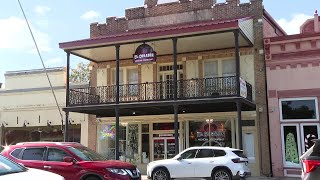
158, 91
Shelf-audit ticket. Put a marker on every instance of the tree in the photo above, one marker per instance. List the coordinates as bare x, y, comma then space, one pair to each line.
81, 74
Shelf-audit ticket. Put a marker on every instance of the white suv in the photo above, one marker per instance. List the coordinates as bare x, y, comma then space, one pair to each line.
216, 163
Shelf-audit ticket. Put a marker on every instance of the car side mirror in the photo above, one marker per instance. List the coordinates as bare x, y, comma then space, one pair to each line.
68, 159
179, 158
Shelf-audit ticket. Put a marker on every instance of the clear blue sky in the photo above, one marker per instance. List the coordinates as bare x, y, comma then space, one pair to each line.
55, 21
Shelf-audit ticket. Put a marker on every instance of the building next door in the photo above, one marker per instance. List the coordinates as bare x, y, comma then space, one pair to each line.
163, 148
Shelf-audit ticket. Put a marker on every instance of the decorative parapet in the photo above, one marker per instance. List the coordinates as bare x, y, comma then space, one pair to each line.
182, 11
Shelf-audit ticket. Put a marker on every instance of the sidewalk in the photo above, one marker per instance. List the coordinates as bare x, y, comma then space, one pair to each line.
253, 178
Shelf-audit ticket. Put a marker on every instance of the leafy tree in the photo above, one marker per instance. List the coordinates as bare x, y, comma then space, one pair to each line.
81, 74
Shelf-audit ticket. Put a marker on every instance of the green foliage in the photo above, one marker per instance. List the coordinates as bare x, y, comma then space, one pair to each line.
81, 74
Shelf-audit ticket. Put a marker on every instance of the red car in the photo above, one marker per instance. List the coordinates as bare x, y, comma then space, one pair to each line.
73, 161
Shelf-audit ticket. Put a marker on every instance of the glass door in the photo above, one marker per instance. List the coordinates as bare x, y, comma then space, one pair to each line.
163, 148
171, 148
159, 148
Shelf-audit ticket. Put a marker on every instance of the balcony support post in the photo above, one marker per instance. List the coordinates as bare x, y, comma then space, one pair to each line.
176, 128
117, 101
175, 69
237, 56
239, 124
175, 95
66, 124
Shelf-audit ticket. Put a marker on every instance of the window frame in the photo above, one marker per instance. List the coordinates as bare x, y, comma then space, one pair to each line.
283, 149
200, 149
27, 148
297, 99
219, 66
19, 155
301, 126
47, 154
197, 150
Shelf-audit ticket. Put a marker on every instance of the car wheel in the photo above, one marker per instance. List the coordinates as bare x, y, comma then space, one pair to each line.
92, 178
221, 174
160, 174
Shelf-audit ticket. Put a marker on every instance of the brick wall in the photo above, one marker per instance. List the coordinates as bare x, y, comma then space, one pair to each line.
174, 13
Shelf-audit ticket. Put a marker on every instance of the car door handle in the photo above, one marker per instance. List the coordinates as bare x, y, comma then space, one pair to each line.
189, 162
47, 167
211, 161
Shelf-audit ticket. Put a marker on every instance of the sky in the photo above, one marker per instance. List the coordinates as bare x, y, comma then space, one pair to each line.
54, 21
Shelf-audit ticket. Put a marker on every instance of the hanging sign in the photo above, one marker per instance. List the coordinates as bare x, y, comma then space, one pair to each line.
243, 88
144, 53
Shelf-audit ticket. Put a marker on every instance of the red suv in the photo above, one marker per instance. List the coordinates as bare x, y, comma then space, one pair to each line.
71, 160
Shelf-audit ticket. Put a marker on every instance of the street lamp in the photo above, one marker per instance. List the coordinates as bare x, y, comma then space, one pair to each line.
209, 121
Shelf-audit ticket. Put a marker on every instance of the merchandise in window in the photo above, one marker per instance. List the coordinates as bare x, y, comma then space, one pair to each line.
220, 133
291, 148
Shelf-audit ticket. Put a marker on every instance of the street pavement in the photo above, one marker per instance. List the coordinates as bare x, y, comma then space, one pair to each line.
253, 178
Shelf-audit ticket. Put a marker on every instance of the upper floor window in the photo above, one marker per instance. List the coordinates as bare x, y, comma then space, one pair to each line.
228, 68
128, 78
219, 68
211, 69
299, 109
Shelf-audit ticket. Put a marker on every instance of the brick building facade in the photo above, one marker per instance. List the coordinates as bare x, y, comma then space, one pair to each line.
292, 64
207, 34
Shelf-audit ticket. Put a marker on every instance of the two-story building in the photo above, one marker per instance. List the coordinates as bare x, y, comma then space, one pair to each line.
169, 76
28, 110
293, 95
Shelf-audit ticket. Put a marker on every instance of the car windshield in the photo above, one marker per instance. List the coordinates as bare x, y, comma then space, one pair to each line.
9, 167
87, 154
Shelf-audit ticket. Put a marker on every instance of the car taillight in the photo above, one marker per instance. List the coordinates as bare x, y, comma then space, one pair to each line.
310, 165
237, 160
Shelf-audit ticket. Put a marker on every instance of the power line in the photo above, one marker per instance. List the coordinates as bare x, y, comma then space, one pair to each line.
44, 67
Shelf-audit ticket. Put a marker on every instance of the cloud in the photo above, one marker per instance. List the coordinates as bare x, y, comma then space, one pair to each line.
15, 35
90, 15
292, 26
41, 10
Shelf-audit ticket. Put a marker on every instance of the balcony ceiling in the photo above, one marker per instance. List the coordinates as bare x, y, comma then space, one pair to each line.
202, 37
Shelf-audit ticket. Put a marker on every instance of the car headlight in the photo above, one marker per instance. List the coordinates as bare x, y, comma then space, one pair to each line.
118, 171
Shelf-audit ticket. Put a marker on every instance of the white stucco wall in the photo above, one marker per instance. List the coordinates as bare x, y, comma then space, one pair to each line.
34, 80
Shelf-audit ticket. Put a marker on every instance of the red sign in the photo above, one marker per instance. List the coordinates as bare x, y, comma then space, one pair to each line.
144, 53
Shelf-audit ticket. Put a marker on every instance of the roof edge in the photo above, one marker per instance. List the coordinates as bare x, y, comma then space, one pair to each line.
273, 21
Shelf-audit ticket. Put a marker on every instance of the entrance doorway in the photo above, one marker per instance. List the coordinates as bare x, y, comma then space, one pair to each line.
163, 148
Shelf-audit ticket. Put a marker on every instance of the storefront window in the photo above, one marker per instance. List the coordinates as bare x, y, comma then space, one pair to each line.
106, 140
299, 109
291, 148
220, 133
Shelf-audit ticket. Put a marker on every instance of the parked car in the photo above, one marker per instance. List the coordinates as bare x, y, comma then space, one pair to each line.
311, 162
202, 162
73, 161
10, 170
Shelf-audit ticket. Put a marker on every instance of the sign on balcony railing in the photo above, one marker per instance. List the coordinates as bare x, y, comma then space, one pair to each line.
144, 53
243, 88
